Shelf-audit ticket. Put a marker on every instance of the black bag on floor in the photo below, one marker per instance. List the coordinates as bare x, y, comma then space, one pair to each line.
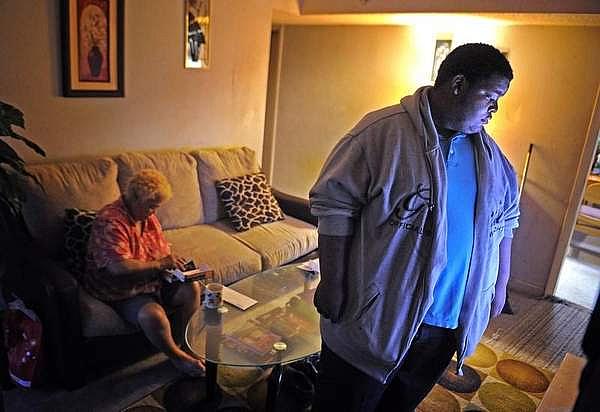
299, 380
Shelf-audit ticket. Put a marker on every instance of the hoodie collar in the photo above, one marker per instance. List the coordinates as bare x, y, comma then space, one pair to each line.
417, 106
419, 111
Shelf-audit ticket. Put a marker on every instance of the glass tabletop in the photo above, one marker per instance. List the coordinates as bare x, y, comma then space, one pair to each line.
282, 327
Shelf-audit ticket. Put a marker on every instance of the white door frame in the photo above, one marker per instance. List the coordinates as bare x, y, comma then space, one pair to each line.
272, 104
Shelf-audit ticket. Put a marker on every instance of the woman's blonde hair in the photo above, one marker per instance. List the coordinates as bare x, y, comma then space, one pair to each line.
149, 185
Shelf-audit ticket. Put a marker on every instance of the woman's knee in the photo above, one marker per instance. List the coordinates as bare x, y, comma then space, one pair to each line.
151, 312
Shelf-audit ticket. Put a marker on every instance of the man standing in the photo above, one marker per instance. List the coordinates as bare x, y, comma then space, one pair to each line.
416, 208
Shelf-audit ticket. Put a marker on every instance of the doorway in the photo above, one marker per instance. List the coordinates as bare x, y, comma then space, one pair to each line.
577, 277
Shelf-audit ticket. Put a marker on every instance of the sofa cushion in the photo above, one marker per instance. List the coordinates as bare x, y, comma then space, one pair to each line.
185, 207
248, 201
99, 319
279, 242
218, 164
85, 184
78, 226
230, 259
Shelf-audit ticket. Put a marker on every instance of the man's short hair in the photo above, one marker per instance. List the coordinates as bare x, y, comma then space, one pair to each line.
149, 185
475, 61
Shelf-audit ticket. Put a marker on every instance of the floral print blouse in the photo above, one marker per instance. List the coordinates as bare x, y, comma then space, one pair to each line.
114, 238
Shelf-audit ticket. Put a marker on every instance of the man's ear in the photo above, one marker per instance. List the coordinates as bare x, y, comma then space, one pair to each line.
458, 84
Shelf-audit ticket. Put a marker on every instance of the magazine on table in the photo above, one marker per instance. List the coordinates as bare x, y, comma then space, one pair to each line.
296, 318
253, 340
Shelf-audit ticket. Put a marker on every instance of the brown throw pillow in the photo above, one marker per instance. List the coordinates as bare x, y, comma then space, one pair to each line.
248, 201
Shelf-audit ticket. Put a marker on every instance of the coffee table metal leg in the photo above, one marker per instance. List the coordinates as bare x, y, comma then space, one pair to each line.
212, 389
273, 387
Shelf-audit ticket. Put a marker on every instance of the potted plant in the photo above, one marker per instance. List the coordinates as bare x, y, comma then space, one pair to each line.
12, 168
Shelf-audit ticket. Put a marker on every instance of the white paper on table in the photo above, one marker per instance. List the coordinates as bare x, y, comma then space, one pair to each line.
311, 266
237, 299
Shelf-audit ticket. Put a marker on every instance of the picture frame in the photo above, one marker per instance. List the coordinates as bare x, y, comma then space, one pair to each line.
442, 49
92, 48
197, 34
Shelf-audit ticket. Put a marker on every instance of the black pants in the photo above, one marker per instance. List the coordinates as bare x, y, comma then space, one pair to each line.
342, 387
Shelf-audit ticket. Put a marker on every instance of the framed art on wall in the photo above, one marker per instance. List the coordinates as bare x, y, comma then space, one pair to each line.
92, 48
197, 38
442, 48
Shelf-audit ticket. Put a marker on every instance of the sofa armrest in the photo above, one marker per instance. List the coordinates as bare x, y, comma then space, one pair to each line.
52, 275
53, 293
295, 206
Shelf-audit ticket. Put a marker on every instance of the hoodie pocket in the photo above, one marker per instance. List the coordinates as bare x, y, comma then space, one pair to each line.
481, 318
371, 295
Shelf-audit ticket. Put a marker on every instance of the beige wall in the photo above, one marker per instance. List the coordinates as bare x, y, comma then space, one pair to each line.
550, 105
331, 76
165, 105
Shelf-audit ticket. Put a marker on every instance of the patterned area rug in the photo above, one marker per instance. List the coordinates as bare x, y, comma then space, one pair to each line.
492, 381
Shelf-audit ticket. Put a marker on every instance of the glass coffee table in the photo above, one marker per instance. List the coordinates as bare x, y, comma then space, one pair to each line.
283, 327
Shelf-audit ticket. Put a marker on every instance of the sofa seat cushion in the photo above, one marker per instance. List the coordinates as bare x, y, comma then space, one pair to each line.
279, 242
185, 207
85, 184
230, 259
217, 164
99, 319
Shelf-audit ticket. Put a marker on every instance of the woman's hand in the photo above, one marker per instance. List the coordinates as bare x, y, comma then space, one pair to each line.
180, 263
172, 262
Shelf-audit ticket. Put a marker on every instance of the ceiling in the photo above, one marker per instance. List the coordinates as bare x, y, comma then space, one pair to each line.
401, 19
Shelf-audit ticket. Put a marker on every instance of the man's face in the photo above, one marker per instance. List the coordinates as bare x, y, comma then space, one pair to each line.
477, 104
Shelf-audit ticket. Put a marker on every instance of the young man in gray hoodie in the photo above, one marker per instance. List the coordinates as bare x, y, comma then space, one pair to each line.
416, 209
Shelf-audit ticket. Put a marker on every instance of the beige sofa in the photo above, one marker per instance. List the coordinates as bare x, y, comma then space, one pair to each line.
194, 222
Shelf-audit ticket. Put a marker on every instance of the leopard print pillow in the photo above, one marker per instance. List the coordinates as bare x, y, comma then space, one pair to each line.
78, 227
248, 201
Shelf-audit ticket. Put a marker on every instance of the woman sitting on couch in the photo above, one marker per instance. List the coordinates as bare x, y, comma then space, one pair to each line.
127, 258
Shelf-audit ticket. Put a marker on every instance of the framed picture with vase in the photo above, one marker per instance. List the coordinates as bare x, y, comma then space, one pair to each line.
92, 48
197, 24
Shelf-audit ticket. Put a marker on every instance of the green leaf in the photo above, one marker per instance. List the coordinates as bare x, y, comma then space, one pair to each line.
10, 193
12, 167
10, 115
17, 165
28, 142
8, 152
12, 207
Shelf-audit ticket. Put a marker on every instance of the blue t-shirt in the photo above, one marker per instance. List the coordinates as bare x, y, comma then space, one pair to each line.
449, 291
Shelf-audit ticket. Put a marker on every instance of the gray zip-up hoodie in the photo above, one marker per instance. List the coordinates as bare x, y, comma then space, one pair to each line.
384, 184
